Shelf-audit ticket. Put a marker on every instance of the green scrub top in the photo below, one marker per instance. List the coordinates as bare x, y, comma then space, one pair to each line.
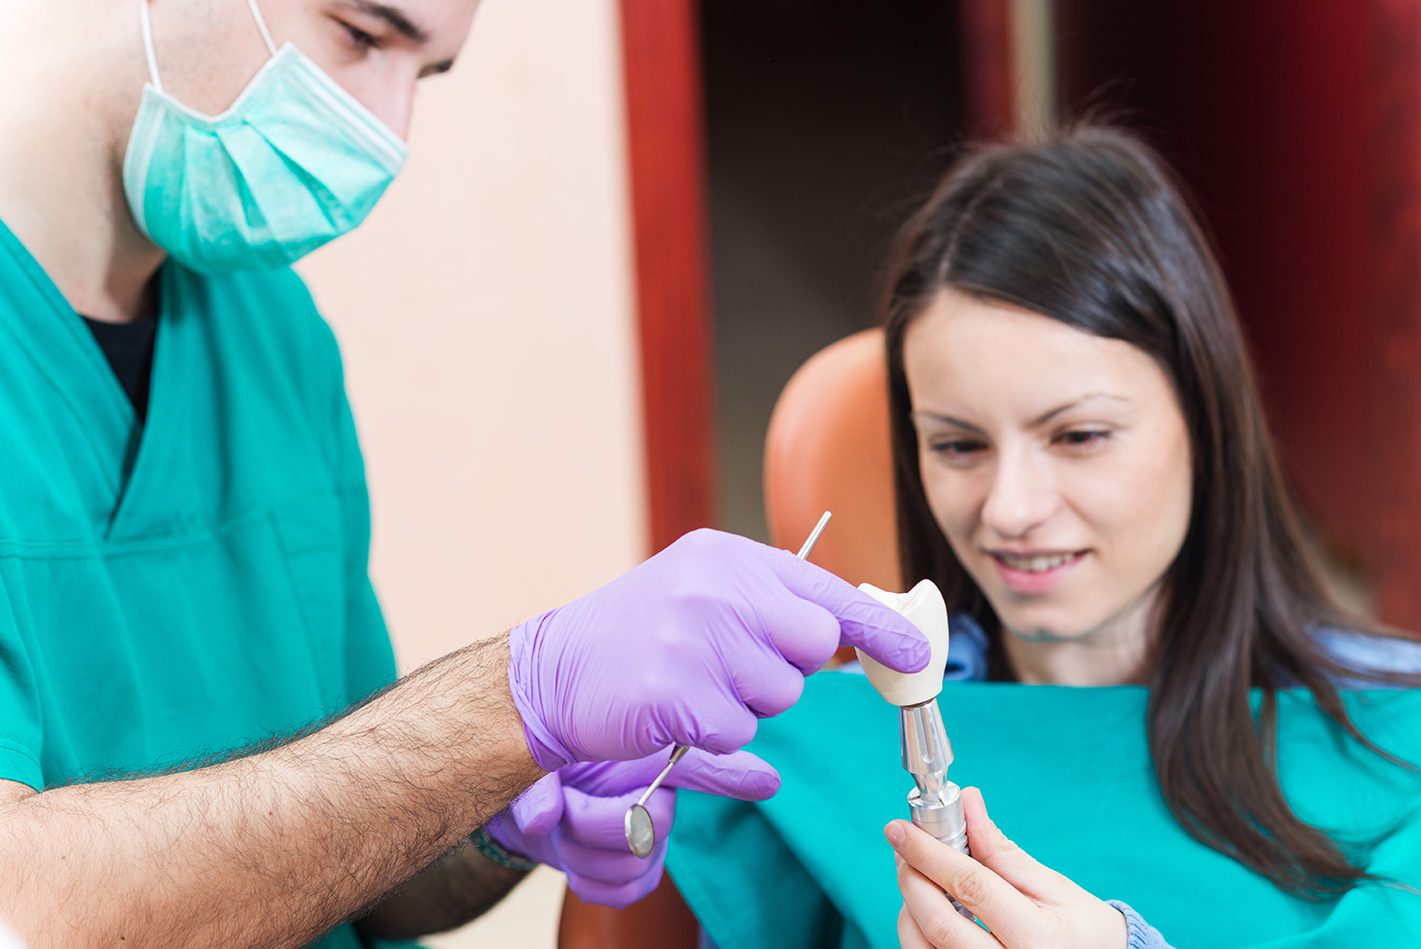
1066, 773
182, 588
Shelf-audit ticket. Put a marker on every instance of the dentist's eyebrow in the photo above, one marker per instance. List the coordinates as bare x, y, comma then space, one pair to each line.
397, 19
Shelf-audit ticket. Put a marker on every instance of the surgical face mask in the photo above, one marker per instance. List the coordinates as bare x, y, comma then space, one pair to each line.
293, 163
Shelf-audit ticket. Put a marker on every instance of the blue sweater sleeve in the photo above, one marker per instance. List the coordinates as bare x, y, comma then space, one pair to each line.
1139, 934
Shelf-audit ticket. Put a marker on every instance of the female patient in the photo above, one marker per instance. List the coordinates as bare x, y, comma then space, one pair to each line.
1083, 466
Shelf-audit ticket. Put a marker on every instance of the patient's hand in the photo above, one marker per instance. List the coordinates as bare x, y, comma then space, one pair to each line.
573, 820
1023, 903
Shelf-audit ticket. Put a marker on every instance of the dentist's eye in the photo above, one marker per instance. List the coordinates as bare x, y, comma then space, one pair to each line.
360, 40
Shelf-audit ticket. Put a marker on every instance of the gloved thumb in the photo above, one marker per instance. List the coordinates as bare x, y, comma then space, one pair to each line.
538, 810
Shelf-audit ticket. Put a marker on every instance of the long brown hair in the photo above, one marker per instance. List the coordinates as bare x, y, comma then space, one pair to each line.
1089, 228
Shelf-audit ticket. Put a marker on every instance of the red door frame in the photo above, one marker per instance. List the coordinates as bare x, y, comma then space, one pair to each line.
666, 164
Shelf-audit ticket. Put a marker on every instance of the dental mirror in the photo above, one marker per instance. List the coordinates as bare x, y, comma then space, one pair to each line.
641, 833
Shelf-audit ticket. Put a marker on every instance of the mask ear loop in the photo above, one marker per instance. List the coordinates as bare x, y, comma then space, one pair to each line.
153, 56
148, 45
261, 25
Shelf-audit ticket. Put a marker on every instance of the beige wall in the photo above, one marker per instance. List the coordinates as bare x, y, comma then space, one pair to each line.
486, 316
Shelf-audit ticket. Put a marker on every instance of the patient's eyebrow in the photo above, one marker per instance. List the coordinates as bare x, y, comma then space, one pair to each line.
1046, 417
948, 420
1042, 419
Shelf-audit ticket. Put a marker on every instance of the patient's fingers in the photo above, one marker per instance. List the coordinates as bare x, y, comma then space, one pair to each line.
1009, 913
909, 935
936, 921
993, 849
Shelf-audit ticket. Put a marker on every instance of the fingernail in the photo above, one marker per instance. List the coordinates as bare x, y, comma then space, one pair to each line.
895, 833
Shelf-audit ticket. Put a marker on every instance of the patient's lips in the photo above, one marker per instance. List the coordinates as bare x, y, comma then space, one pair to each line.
1034, 572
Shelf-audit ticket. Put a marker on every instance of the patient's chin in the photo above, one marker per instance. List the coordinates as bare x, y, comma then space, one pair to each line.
1048, 625
1044, 635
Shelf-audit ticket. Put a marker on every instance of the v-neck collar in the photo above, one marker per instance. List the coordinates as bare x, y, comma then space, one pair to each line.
159, 489
66, 353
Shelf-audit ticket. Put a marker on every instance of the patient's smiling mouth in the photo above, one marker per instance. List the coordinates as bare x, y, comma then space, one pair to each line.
1034, 573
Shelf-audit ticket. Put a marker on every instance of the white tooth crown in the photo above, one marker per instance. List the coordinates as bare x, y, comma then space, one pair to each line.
924, 607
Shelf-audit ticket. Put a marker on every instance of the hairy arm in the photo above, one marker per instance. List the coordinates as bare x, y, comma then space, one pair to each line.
458, 887
276, 848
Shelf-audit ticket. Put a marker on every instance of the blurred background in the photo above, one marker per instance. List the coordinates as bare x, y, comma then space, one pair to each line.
626, 223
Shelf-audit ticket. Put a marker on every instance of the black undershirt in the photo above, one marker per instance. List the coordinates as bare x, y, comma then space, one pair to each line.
129, 349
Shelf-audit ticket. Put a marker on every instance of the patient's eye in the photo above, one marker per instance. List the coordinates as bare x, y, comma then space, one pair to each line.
1083, 439
956, 448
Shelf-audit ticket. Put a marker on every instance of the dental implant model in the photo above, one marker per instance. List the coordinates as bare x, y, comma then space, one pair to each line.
935, 804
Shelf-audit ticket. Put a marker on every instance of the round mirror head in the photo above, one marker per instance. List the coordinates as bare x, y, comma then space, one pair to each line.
641, 835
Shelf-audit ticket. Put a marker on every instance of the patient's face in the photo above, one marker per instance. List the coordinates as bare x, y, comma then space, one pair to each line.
1056, 463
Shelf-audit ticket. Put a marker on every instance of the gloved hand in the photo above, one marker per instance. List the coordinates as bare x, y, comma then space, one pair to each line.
573, 820
689, 648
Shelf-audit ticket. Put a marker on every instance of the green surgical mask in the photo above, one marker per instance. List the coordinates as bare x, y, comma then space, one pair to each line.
293, 163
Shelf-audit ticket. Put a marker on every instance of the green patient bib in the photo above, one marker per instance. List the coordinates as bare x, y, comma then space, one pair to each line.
184, 588
1066, 773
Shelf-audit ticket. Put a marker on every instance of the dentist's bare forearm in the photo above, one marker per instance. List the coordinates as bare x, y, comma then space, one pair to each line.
276, 848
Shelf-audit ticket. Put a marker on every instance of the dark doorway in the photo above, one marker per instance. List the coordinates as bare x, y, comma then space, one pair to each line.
825, 122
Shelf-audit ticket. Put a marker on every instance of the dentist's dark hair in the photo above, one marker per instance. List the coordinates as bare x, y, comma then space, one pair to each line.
1088, 227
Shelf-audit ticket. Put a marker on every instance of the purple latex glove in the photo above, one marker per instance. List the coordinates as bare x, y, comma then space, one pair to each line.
690, 648
572, 820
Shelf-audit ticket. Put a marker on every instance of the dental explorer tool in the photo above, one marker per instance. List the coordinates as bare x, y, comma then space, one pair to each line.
641, 834
935, 803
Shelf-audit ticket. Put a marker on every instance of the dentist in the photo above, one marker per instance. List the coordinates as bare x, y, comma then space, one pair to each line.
202, 740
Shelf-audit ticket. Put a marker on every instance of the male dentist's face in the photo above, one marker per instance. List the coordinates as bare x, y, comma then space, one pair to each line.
1057, 464
376, 49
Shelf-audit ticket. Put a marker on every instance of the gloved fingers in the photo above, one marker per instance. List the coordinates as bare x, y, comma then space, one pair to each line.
739, 774
614, 778
620, 895
617, 867
719, 723
599, 823
805, 635
539, 809
769, 685
865, 623
504, 831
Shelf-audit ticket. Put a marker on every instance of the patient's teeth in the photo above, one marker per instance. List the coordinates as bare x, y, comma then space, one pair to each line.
1036, 564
